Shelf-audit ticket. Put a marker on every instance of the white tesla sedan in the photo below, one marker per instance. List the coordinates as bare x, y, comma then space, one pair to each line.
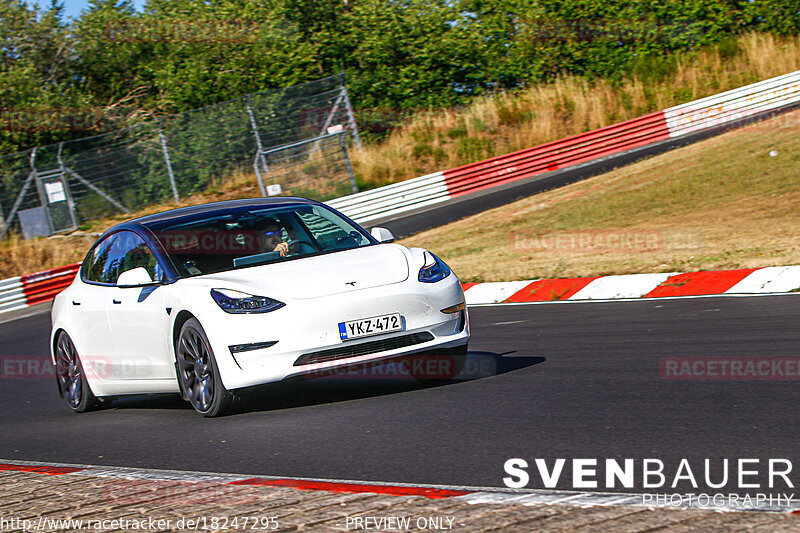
207, 301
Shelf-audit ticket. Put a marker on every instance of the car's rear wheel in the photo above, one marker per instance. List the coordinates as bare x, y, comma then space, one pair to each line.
72, 383
198, 372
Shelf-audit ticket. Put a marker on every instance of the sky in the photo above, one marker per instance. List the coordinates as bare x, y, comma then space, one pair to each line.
73, 8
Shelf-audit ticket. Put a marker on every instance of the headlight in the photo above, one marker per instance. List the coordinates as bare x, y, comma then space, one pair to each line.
433, 270
240, 302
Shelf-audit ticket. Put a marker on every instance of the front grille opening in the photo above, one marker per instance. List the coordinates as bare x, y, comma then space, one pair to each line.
364, 348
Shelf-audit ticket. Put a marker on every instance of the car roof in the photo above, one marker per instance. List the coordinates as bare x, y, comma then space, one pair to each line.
218, 207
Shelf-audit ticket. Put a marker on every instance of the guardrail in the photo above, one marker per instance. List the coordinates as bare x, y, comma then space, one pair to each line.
12, 297
732, 108
395, 198
22, 291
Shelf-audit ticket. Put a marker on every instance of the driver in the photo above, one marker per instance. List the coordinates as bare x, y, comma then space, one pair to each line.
270, 237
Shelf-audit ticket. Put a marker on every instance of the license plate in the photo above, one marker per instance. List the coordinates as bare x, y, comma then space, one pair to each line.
365, 327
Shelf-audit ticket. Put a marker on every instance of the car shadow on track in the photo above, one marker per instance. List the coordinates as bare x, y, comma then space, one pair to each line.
381, 378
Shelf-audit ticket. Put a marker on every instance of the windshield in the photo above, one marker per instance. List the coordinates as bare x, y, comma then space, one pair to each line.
216, 242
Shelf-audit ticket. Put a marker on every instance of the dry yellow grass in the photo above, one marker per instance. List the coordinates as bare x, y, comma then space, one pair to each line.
505, 122
18, 256
719, 204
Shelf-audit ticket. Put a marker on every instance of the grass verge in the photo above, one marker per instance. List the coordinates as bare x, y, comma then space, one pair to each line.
727, 202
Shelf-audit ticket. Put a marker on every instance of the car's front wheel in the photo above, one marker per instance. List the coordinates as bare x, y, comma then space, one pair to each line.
72, 383
198, 372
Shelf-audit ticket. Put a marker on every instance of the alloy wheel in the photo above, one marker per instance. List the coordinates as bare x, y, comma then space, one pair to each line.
196, 374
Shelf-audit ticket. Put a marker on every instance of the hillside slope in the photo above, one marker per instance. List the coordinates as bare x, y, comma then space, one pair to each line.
728, 202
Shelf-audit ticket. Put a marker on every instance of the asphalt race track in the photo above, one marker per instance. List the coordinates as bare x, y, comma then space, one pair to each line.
577, 380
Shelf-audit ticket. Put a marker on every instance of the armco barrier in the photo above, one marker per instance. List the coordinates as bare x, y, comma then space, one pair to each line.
731, 108
12, 296
21, 291
557, 154
395, 198
43, 286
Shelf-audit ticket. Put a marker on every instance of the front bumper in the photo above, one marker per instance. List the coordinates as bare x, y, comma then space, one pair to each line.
310, 326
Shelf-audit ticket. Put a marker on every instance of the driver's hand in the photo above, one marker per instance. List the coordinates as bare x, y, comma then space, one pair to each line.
283, 248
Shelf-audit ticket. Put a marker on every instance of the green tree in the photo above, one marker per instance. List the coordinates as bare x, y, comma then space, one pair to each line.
38, 100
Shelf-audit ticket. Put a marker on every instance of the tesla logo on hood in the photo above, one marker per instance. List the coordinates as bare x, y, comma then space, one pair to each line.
351, 283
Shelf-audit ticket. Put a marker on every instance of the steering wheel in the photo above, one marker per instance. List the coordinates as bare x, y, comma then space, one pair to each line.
293, 245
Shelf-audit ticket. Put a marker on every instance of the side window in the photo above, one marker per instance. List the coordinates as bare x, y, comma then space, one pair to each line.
94, 266
328, 233
120, 252
131, 252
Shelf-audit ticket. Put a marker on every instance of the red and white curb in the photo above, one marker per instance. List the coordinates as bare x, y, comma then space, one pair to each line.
742, 282
471, 495
23, 291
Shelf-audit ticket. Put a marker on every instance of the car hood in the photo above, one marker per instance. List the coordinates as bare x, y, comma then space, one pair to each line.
323, 275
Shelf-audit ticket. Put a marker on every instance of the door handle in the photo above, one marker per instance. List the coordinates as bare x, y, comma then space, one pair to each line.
116, 301
75, 303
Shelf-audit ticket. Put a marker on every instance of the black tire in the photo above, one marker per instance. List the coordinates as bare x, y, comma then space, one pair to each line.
71, 378
449, 363
198, 373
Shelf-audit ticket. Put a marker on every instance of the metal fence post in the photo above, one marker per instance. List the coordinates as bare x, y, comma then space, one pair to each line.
350, 115
167, 160
89, 185
65, 181
21, 194
260, 156
257, 135
349, 166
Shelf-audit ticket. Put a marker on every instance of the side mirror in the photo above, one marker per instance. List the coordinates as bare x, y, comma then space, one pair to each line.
135, 277
382, 234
